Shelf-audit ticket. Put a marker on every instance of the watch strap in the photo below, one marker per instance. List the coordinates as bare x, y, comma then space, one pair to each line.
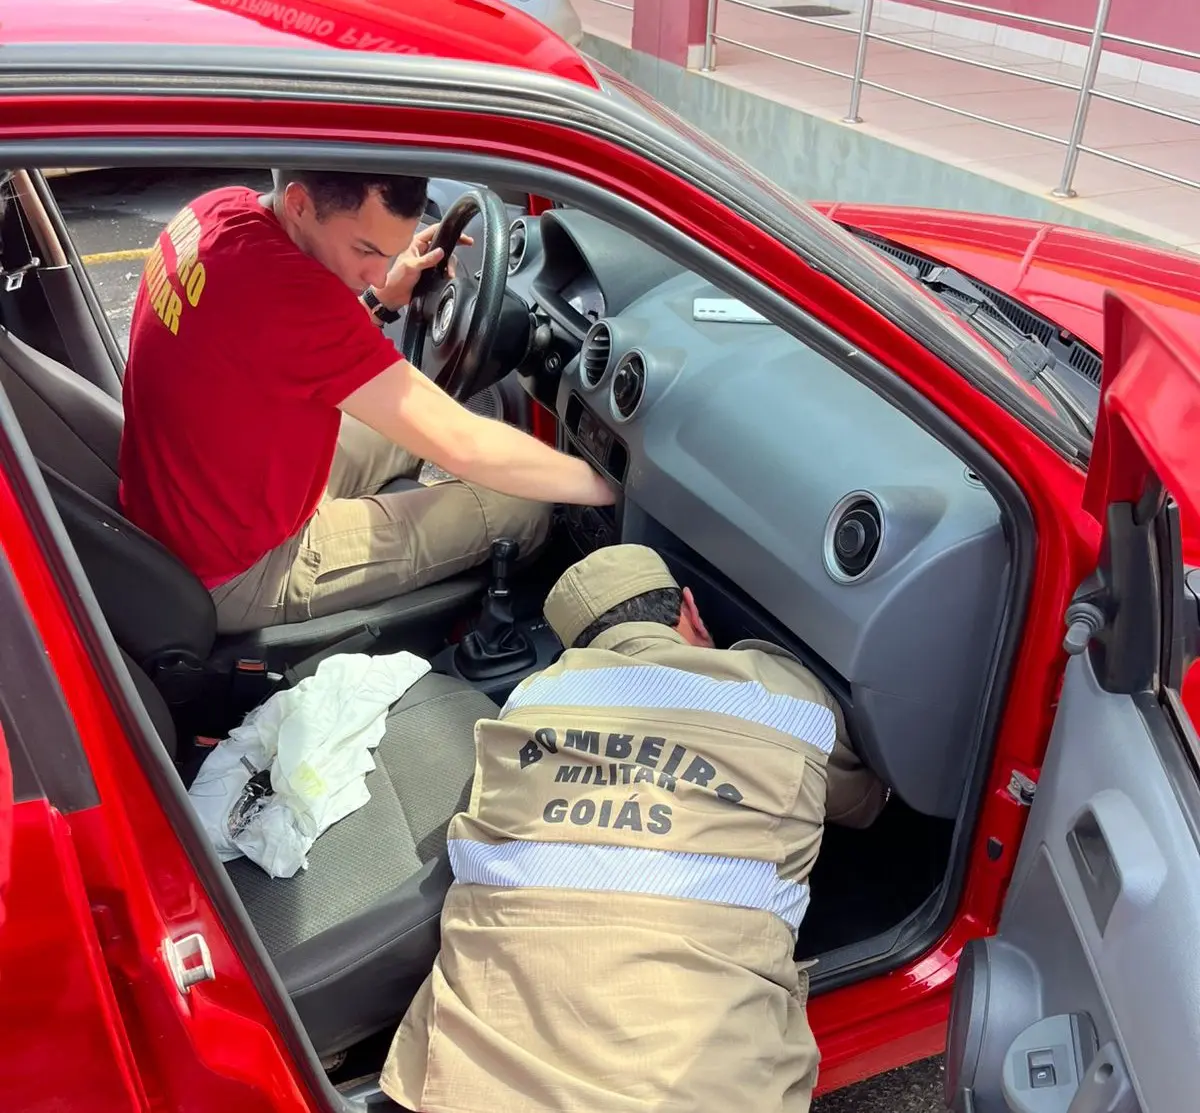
378, 309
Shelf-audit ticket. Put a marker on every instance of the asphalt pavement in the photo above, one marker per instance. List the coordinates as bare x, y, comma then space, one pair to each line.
114, 218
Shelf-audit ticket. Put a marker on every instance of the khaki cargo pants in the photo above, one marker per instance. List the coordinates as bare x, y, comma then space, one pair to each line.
361, 547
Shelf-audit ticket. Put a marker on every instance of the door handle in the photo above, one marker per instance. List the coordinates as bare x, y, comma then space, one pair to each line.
1095, 865
1116, 858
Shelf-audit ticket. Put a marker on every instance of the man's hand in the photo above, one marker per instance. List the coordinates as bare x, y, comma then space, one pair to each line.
411, 264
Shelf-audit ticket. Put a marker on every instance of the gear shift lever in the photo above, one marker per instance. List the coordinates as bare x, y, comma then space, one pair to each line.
496, 646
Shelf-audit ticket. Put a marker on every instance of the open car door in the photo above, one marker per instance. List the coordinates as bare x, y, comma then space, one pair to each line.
1087, 1000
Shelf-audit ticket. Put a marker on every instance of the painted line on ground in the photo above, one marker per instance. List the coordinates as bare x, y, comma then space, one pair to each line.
126, 256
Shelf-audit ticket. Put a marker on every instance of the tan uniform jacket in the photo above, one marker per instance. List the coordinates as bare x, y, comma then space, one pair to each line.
630, 873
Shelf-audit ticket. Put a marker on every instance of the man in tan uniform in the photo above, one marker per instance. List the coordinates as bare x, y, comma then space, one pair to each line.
631, 871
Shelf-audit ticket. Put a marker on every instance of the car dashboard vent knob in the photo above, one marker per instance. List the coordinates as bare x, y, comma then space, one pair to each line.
629, 384
853, 537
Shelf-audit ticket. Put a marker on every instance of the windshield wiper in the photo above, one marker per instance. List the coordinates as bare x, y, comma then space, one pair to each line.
1025, 353
947, 278
1032, 359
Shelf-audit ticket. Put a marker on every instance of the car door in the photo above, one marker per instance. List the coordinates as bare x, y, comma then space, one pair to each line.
57, 1004
1087, 998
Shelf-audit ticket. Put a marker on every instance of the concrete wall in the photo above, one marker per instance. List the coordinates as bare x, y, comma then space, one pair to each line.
823, 160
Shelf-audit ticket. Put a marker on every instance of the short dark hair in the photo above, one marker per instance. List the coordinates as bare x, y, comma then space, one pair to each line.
339, 191
663, 605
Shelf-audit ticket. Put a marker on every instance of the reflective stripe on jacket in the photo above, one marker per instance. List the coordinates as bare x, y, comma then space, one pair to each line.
630, 874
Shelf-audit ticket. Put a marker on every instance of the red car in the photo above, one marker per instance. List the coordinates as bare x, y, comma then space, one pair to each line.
948, 460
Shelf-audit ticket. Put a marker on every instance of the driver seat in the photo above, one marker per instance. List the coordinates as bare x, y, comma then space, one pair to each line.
353, 935
74, 430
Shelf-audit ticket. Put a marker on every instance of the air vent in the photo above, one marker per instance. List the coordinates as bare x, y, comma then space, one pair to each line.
853, 537
1087, 362
597, 348
629, 384
518, 239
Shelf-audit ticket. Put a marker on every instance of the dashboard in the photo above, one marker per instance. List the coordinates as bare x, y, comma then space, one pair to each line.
797, 503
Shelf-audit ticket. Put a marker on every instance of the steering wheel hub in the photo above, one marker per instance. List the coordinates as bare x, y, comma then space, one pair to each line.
443, 317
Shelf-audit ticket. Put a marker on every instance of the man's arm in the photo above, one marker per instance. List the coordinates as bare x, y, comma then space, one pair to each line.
411, 410
855, 796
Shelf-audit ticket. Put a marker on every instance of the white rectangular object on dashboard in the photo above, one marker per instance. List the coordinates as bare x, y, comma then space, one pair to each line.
726, 310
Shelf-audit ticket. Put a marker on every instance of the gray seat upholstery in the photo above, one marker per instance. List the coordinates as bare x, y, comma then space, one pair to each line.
354, 935
71, 424
74, 430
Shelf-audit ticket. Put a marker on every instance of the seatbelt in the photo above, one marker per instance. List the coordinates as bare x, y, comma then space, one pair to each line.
362, 641
14, 277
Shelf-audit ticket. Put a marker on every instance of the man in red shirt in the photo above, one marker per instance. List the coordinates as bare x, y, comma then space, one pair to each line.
265, 409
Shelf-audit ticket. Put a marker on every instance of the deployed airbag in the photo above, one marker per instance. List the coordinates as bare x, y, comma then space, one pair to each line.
298, 762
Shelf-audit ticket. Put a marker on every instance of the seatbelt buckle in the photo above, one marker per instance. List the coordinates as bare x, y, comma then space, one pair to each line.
14, 279
251, 682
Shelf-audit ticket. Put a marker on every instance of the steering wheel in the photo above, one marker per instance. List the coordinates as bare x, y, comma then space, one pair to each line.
451, 325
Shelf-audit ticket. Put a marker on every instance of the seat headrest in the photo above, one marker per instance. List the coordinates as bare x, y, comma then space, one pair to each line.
152, 602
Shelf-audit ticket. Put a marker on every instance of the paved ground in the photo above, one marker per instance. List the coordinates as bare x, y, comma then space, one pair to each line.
113, 217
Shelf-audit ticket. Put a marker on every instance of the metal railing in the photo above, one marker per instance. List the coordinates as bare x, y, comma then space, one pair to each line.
614, 4
1098, 36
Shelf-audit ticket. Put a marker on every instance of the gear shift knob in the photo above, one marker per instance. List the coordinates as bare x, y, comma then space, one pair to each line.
504, 552
497, 646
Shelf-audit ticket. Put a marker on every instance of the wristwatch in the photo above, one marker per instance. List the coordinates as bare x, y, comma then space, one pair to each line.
378, 310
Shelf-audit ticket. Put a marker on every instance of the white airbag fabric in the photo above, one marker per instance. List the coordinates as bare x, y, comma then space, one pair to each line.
298, 762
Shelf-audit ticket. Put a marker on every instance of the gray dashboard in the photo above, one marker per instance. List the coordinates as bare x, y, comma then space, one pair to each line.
796, 486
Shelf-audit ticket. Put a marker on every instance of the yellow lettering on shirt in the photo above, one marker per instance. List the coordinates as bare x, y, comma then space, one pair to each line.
170, 317
161, 297
156, 271
167, 288
184, 227
195, 283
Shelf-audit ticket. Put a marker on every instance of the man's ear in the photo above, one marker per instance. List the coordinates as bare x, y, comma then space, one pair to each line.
296, 201
692, 613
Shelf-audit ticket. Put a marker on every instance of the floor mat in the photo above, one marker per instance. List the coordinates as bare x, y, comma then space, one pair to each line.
867, 881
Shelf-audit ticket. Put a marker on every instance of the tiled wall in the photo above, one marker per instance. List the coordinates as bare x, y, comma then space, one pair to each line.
1168, 22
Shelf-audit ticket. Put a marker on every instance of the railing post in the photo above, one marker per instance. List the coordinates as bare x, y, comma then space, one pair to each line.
710, 37
860, 62
1095, 49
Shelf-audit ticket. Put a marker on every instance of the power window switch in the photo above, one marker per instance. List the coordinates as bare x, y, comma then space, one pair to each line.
1041, 1069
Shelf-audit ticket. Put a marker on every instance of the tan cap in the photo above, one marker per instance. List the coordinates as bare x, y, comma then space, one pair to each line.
599, 582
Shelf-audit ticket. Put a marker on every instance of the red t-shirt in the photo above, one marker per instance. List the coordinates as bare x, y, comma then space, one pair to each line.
241, 349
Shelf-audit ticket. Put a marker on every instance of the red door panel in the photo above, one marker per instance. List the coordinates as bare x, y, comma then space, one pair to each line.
64, 1045
6, 822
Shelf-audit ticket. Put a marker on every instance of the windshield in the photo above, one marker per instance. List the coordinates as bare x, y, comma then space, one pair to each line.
888, 287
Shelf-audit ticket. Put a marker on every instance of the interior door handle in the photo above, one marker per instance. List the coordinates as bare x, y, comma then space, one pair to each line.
1116, 858
1095, 865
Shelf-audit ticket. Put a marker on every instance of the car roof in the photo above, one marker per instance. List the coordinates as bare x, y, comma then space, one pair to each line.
456, 30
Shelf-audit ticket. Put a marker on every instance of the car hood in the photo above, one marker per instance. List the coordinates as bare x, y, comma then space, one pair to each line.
1059, 272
